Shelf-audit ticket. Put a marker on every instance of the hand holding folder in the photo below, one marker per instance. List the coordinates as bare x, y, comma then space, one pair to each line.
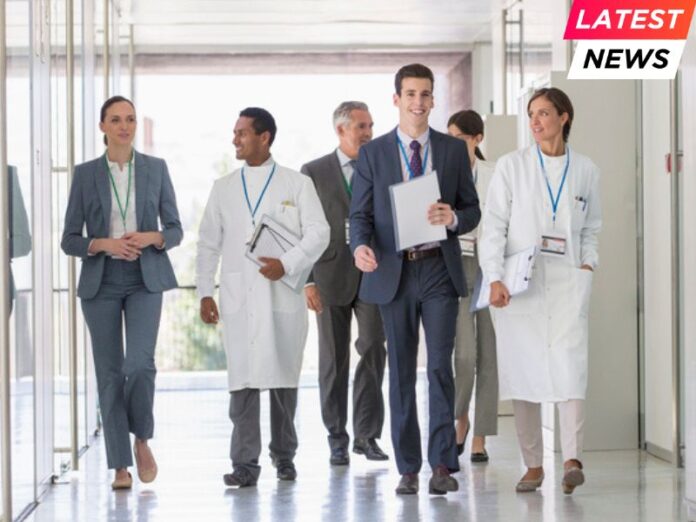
272, 240
518, 272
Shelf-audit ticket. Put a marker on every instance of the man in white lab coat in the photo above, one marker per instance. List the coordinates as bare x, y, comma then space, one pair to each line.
264, 321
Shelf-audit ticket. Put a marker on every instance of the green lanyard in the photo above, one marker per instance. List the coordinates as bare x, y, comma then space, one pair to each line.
348, 190
121, 210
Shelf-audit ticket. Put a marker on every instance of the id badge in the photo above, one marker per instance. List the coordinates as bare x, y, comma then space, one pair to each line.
553, 245
468, 245
347, 225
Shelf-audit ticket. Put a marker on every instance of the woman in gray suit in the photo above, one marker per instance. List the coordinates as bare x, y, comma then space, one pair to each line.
121, 220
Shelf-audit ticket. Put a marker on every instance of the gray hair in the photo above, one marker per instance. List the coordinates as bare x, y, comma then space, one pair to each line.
341, 115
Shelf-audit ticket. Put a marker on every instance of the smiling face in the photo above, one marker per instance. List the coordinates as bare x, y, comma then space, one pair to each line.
355, 133
544, 121
414, 102
248, 145
119, 124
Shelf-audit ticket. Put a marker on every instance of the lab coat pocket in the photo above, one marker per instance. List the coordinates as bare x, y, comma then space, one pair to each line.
231, 292
288, 216
583, 280
578, 215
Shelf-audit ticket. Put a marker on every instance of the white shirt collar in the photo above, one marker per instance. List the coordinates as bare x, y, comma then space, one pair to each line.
343, 158
406, 139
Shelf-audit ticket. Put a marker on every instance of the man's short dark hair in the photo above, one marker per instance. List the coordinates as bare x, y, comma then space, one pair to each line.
413, 70
262, 121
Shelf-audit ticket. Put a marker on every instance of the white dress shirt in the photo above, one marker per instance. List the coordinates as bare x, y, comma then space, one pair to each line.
119, 179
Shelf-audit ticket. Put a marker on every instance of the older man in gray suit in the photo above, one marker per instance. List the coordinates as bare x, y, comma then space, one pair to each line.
332, 292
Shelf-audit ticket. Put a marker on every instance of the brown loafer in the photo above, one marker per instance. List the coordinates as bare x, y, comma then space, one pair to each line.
441, 482
528, 486
408, 485
145, 474
572, 478
122, 483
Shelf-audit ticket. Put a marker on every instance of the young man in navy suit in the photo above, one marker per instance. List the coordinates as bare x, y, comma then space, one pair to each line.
420, 284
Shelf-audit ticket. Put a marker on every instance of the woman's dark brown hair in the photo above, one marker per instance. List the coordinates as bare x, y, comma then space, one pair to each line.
470, 123
560, 101
108, 103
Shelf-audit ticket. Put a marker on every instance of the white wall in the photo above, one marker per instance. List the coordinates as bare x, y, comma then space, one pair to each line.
688, 70
482, 77
657, 272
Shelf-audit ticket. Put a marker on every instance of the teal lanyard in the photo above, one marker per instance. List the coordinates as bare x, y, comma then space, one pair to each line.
123, 211
554, 202
263, 193
408, 163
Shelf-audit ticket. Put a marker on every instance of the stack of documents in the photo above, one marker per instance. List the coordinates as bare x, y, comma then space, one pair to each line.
518, 272
410, 202
271, 239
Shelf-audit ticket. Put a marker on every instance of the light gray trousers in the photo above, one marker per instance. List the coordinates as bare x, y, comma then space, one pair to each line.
245, 414
475, 361
125, 382
571, 421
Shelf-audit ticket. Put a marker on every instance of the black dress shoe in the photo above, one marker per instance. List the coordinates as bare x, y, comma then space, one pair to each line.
339, 456
441, 482
239, 478
408, 485
285, 469
369, 448
479, 456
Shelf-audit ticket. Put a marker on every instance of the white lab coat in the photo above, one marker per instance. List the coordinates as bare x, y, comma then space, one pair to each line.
542, 334
264, 322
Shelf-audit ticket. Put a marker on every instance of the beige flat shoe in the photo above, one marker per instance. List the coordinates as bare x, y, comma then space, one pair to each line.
145, 474
572, 478
122, 483
528, 486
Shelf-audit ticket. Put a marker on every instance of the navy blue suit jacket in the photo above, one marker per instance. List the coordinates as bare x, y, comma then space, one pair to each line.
371, 222
90, 204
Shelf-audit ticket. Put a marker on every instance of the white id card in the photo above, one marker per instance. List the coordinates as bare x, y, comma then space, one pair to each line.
347, 225
468, 245
553, 244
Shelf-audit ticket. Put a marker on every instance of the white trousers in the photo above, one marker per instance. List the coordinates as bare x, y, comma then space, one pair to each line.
571, 420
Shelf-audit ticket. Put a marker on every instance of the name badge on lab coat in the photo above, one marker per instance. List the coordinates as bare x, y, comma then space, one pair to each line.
468, 245
553, 244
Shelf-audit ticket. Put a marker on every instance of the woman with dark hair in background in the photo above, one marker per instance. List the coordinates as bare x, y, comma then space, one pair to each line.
546, 195
126, 202
474, 349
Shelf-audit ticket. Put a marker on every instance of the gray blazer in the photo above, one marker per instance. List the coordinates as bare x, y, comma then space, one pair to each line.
90, 204
334, 273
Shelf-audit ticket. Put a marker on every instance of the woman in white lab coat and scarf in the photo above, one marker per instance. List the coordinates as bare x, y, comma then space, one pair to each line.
545, 195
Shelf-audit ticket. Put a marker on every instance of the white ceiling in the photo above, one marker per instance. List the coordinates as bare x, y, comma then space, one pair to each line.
191, 26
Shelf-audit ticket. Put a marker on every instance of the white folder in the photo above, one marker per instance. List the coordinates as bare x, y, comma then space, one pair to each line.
271, 239
410, 201
518, 269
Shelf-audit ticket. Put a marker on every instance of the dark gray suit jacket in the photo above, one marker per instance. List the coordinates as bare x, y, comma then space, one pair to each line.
90, 204
371, 222
334, 273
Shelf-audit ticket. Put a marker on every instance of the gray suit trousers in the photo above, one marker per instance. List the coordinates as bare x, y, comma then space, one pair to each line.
475, 357
334, 367
245, 414
126, 384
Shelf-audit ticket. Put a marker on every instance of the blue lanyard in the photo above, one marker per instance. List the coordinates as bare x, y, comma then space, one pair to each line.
408, 163
263, 193
554, 202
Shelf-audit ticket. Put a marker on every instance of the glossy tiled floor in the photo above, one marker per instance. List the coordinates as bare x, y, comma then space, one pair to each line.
192, 445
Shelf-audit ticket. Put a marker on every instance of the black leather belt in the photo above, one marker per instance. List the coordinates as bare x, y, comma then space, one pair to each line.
417, 255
